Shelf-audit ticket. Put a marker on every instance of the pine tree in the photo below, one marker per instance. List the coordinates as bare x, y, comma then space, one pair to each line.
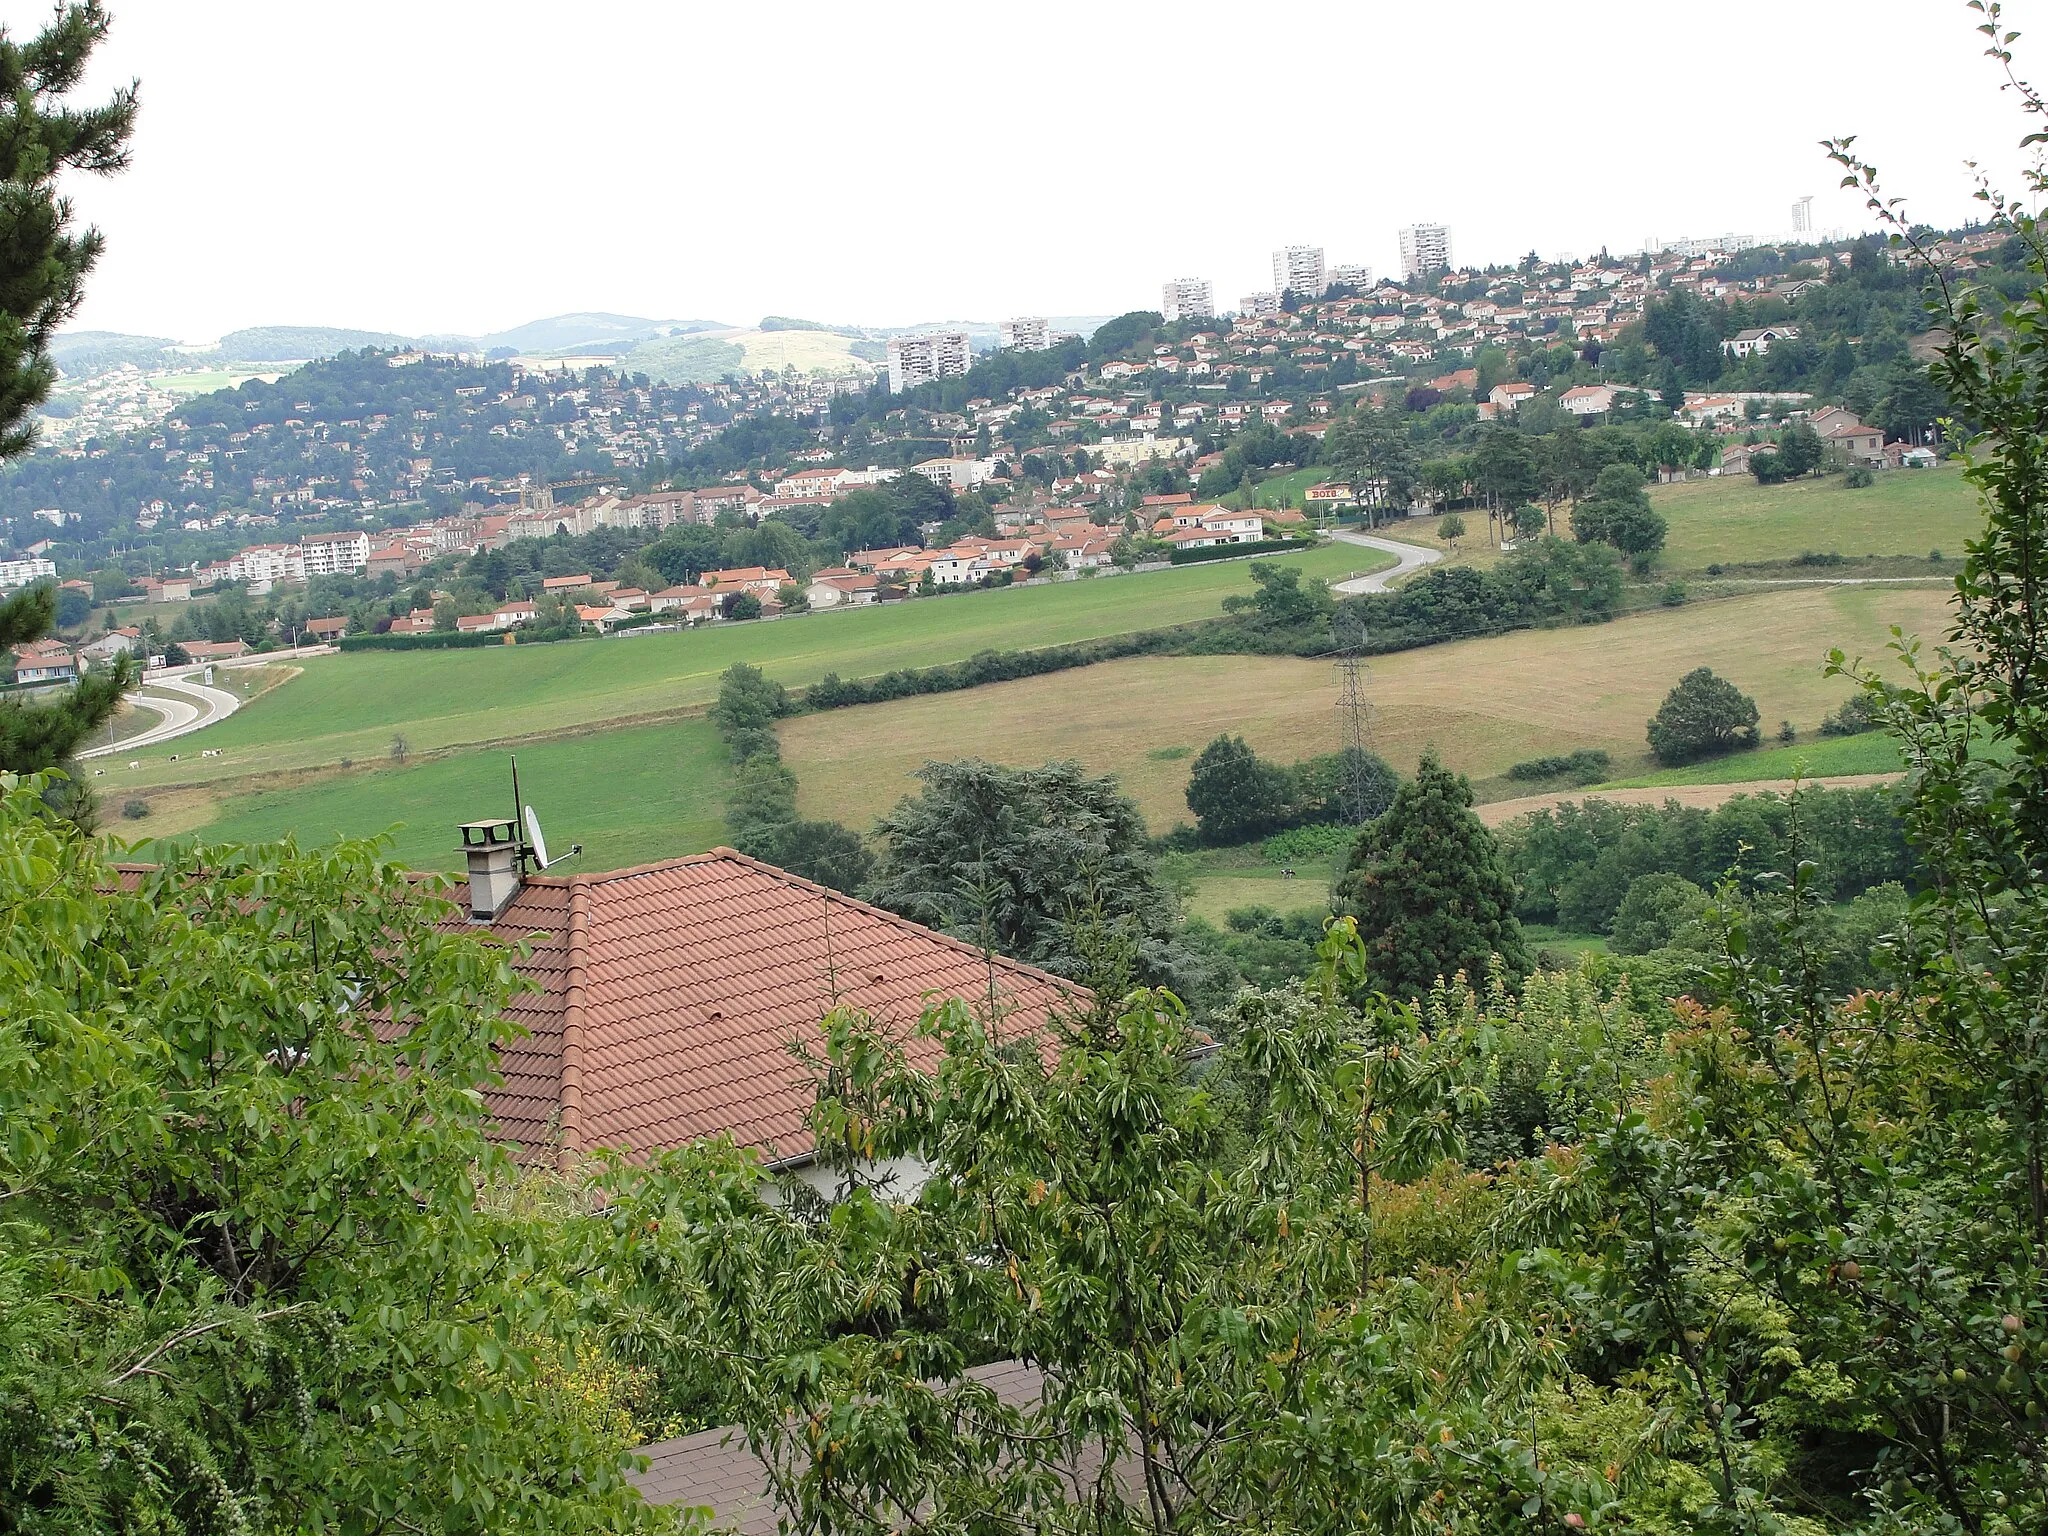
1429, 889
43, 264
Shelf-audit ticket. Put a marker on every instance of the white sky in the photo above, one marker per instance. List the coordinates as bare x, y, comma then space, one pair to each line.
455, 165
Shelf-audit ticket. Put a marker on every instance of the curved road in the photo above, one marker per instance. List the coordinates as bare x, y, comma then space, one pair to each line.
1412, 557
185, 706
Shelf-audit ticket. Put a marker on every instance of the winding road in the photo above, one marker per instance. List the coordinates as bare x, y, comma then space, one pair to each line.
1411, 557
185, 705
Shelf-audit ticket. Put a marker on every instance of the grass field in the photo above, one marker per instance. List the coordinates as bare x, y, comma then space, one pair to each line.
1729, 520
1285, 490
1484, 703
1822, 756
349, 707
629, 796
1220, 892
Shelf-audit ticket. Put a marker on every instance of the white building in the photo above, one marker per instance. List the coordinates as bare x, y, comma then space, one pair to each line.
1026, 333
1187, 298
1259, 305
1425, 248
958, 474
1802, 216
332, 554
1299, 267
915, 360
1351, 275
19, 573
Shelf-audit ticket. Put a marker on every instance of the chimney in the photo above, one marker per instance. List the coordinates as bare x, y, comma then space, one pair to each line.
495, 871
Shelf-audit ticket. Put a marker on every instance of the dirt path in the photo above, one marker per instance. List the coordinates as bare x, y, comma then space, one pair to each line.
1705, 796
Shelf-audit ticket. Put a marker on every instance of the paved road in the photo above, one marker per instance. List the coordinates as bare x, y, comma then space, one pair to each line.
185, 704
1412, 557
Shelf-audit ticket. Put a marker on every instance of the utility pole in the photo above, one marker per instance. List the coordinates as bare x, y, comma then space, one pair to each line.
1354, 719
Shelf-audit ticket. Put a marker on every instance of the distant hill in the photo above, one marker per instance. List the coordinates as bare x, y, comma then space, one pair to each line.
588, 331
82, 352
293, 343
685, 359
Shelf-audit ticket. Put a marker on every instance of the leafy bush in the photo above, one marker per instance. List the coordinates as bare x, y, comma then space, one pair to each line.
1702, 716
1857, 715
135, 810
1673, 595
1308, 845
1234, 551
1858, 476
1589, 765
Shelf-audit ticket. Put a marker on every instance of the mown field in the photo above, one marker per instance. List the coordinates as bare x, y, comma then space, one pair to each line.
348, 708
629, 796
1729, 520
1484, 704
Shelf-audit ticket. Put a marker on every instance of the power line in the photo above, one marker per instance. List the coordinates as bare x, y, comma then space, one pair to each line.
1354, 714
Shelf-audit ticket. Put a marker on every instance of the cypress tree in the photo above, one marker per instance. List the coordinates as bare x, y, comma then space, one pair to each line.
1430, 890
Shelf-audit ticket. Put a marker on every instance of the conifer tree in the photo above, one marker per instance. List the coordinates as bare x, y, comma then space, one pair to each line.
1429, 889
43, 263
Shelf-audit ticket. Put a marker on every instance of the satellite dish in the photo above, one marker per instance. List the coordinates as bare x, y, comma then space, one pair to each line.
540, 844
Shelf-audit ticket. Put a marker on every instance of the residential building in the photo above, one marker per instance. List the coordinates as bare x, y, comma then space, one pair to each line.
1351, 275
1508, 397
915, 360
642, 1036
959, 474
1259, 306
1425, 249
1187, 298
1589, 399
1802, 216
20, 573
335, 554
1299, 268
45, 661
1757, 339
1026, 333
1847, 433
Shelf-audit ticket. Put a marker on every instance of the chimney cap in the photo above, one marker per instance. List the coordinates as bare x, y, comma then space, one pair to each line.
496, 832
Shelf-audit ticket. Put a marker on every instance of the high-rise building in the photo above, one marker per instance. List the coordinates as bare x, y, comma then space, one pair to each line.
1425, 248
1802, 216
1026, 333
915, 360
1351, 275
1299, 267
1259, 305
1187, 298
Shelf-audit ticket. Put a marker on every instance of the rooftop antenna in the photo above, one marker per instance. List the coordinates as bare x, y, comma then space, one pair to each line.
1354, 717
533, 848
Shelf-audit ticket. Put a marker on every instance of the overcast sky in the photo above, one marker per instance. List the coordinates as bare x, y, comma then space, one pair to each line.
440, 165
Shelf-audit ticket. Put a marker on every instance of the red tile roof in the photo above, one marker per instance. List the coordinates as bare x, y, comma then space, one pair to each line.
669, 996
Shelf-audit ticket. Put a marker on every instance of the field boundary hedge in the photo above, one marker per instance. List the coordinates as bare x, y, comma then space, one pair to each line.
453, 640
1236, 551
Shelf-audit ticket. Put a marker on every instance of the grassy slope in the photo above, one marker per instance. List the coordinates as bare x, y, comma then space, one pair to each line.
1730, 519
1485, 703
1823, 756
629, 796
351, 706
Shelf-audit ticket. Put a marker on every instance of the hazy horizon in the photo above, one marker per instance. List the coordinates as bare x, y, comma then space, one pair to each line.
467, 168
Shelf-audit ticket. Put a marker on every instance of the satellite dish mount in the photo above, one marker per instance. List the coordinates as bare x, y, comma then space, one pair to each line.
533, 848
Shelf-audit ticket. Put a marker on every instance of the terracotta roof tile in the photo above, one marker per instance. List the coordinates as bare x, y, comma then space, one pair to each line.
668, 997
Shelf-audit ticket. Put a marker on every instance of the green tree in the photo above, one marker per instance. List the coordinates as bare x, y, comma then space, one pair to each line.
1619, 513
1653, 911
43, 260
1912, 404
1235, 797
1505, 469
1373, 451
1702, 716
1282, 601
261, 1268
1450, 526
1429, 889
1028, 861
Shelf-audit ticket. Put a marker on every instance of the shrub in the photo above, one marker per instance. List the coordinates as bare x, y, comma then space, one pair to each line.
1308, 845
1589, 765
1654, 910
1702, 716
135, 810
1857, 476
1857, 715
1673, 594
1450, 526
